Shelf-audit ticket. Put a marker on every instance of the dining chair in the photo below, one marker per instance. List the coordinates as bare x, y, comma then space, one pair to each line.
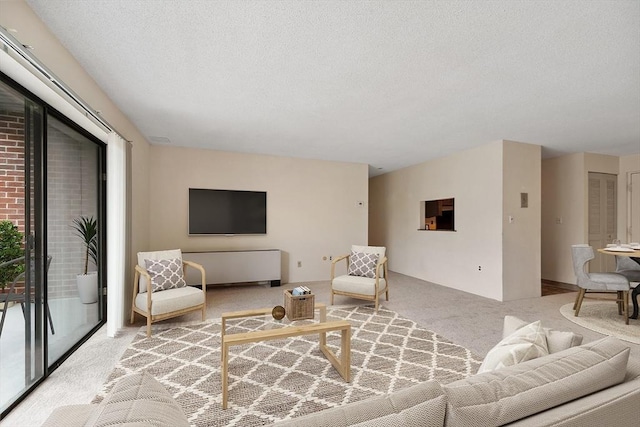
598, 282
630, 268
13, 296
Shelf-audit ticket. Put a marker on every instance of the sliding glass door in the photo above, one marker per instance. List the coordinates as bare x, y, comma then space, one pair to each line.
73, 194
21, 262
51, 234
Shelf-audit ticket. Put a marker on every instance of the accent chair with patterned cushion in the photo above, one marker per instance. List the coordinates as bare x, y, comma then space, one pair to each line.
160, 291
366, 276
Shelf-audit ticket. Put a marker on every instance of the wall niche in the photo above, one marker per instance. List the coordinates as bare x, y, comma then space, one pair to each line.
437, 215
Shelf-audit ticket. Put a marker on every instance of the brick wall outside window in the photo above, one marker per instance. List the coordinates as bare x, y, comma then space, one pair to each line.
71, 191
12, 168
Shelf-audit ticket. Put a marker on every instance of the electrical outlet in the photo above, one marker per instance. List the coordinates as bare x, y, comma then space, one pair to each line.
479, 268
299, 263
330, 257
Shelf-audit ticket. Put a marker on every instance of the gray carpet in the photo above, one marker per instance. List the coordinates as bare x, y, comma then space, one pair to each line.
276, 380
469, 320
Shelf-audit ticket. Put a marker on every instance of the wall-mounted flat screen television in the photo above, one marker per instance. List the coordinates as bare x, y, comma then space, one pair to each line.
227, 211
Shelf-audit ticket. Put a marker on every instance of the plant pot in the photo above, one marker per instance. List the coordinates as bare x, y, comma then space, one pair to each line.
88, 287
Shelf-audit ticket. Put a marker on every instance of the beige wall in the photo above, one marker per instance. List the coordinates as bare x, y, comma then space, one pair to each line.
563, 219
474, 179
628, 164
486, 183
312, 208
522, 237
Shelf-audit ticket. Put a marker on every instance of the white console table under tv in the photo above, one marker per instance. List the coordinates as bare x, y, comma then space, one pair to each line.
227, 267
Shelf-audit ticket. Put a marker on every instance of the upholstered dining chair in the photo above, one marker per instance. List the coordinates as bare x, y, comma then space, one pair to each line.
630, 269
598, 282
366, 276
160, 291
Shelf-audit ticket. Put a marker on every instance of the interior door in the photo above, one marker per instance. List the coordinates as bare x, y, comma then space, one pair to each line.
602, 218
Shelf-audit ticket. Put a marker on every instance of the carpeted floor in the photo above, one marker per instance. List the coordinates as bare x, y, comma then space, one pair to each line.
603, 317
469, 320
282, 379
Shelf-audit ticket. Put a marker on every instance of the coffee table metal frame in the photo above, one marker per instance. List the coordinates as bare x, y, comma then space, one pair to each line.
342, 365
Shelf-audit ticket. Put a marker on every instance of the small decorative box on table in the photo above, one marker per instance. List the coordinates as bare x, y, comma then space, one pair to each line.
298, 307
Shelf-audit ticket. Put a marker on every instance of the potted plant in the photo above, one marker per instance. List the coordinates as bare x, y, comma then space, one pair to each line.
10, 249
87, 229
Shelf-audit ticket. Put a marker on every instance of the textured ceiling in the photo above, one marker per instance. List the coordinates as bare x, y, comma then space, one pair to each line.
387, 83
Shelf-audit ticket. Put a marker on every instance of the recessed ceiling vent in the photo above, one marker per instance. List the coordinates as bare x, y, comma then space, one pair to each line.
159, 140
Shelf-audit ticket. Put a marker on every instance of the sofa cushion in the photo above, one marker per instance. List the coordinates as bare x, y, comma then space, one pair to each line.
71, 415
138, 399
524, 344
614, 406
419, 405
505, 395
357, 285
561, 340
172, 300
556, 340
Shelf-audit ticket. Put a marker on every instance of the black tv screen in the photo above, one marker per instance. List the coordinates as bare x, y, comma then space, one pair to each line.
227, 211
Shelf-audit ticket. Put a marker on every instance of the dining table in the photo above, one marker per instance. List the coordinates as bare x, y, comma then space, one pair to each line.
633, 252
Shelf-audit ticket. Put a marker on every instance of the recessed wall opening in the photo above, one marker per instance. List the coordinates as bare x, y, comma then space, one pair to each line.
437, 215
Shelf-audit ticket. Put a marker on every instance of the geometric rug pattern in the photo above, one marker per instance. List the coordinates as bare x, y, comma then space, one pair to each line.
282, 379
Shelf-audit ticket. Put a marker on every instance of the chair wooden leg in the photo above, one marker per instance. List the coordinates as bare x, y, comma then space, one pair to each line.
377, 302
133, 313
620, 301
578, 302
332, 297
149, 326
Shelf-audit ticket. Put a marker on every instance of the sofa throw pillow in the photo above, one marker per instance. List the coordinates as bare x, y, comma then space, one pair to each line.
524, 344
556, 340
165, 274
363, 264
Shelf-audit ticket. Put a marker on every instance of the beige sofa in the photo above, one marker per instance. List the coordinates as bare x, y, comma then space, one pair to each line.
588, 385
137, 400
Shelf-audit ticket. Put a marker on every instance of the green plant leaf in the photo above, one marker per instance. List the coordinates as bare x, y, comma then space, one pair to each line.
11, 247
87, 229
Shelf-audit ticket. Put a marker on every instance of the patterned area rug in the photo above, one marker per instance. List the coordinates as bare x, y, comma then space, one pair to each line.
603, 317
278, 380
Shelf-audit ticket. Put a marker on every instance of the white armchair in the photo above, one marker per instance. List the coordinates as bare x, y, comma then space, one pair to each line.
366, 276
160, 291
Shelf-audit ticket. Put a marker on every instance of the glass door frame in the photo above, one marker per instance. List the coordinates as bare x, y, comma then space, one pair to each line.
36, 179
